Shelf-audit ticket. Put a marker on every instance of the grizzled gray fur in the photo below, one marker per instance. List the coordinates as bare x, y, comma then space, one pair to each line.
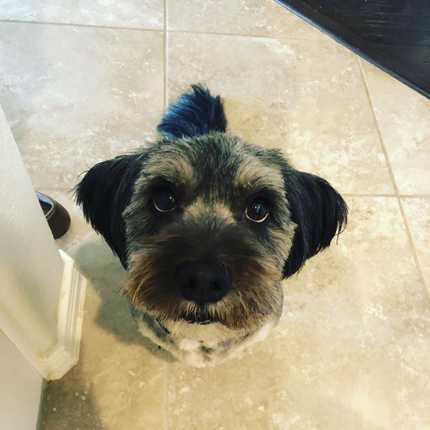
207, 227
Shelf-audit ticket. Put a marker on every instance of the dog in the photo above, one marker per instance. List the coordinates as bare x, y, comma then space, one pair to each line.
207, 227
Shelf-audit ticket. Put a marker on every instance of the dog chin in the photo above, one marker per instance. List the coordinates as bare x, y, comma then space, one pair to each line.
201, 317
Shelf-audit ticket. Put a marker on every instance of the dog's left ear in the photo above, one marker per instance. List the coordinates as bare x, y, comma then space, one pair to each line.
319, 212
104, 192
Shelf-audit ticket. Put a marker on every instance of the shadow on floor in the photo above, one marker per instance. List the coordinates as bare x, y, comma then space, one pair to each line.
69, 403
97, 263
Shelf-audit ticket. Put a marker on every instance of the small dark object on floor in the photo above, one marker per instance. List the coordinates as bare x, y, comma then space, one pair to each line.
56, 215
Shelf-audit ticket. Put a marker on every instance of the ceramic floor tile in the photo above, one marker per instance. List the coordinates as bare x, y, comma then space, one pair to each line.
354, 336
307, 98
75, 96
119, 382
248, 17
129, 13
403, 119
232, 396
417, 212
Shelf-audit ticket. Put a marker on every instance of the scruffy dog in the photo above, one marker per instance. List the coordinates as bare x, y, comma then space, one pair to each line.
207, 226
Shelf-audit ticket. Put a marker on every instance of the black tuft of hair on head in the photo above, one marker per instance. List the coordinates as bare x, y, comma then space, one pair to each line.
195, 113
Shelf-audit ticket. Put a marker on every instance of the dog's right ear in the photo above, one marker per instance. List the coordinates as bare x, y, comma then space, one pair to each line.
319, 212
195, 113
104, 192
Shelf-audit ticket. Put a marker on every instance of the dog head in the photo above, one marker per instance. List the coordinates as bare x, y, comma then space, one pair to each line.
207, 225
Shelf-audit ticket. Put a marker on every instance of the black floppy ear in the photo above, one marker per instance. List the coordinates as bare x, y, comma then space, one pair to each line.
195, 113
104, 192
319, 212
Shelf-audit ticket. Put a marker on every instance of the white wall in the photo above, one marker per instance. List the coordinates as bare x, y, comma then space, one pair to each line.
20, 389
30, 264
21, 246
33, 340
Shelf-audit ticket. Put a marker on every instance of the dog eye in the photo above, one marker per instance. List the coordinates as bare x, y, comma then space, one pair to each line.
257, 211
164, 200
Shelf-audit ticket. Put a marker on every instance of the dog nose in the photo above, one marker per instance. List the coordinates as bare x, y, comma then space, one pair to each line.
202, 283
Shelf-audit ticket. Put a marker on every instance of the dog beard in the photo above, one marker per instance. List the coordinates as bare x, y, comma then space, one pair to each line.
256, 291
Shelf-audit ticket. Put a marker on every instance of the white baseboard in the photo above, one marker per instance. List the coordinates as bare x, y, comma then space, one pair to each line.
70, 317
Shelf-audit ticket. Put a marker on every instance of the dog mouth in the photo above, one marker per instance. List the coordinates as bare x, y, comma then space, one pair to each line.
199, 315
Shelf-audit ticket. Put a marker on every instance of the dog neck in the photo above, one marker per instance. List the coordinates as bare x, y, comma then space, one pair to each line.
198, 345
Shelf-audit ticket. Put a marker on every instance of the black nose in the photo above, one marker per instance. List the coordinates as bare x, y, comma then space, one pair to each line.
202, 283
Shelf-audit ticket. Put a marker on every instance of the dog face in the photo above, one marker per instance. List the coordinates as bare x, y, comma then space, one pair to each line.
207, 225
209, 231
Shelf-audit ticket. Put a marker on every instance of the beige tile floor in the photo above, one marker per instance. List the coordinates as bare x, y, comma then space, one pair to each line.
83, 81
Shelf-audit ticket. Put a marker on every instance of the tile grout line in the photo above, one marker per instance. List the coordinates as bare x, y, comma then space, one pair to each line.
412, 244
116, 27
378, 131
414, 196
396, 188
250, 35
216, 33
166, 399
165, 40
71, 24
366, 194
165, 55
403, 196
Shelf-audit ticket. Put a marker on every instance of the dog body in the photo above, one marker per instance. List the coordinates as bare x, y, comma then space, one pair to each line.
207, 227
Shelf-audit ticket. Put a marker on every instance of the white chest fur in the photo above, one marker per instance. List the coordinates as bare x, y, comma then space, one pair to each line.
202, 345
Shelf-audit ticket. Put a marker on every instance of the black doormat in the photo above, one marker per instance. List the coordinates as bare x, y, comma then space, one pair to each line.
392, 34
